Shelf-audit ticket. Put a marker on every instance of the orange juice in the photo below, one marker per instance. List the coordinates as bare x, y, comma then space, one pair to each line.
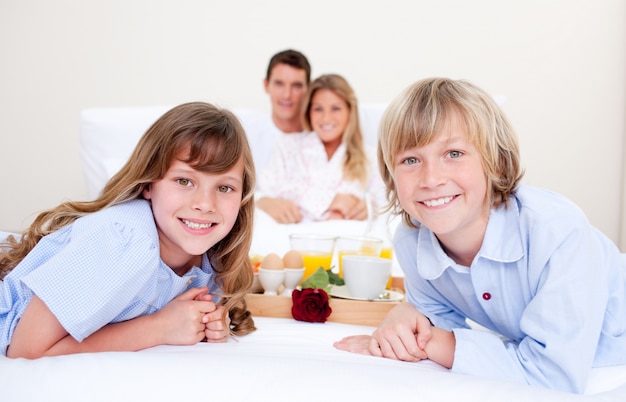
313, 260
340, 255
364, 250
387, 252
356, 245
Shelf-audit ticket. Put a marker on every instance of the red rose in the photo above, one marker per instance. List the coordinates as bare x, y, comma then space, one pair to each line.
310, 305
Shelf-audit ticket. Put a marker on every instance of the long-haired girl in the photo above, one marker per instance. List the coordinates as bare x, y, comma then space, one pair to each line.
160, 257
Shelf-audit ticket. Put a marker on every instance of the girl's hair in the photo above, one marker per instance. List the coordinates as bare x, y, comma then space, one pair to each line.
214, 141
425, 108
355, 166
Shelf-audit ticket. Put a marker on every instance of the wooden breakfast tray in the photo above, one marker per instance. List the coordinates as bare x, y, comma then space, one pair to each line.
347, 311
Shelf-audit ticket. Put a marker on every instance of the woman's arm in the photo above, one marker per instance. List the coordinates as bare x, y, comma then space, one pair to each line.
181, 322
282, 210
347, 206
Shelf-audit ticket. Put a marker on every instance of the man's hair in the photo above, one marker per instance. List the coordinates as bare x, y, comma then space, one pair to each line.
292, 58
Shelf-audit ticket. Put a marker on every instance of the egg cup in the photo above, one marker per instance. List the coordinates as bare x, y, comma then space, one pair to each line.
271, 280
293, 276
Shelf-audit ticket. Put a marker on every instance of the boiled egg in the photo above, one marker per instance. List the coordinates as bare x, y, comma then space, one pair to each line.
272, 261
293, 259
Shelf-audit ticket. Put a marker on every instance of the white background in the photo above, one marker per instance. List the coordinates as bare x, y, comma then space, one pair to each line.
560, 64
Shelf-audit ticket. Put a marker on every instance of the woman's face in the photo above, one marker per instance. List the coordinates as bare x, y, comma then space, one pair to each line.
329, 115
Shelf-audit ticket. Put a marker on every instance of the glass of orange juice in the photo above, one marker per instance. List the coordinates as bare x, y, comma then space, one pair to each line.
387, 252
316, 250
357, 245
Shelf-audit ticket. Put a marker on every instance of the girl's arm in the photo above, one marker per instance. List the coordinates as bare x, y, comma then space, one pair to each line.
181, 322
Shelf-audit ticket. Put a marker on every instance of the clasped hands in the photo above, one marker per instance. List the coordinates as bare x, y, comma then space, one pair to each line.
404, 335
347, 206
193, 317
343, 206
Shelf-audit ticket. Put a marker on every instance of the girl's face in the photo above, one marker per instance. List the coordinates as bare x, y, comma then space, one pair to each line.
329, 115
444, 187
193, 211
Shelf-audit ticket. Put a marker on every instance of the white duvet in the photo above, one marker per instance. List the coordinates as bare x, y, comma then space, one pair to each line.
284, 360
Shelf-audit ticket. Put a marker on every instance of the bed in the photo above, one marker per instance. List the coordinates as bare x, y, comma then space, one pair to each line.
283, 360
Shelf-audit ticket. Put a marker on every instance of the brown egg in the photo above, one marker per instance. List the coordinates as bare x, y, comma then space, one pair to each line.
272, 261
293, 259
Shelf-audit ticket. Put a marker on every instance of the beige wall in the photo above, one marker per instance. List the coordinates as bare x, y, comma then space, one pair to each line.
561, 65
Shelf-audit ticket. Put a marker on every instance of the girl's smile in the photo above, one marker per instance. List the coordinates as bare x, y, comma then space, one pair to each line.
193, 211
195, 226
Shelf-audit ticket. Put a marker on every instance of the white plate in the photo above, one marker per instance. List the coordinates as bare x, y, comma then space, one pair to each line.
342, 292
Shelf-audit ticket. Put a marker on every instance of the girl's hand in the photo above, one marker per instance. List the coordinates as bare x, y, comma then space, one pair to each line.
215, 331
183, 318
214, 325
403, 334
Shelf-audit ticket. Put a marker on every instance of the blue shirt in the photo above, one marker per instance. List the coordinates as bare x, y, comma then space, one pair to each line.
549, 285
105, 267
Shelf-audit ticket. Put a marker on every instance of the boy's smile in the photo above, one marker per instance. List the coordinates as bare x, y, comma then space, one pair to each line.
443, 186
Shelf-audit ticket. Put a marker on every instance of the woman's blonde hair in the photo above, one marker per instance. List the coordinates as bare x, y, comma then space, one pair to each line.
355, 166
214, 141
422, 110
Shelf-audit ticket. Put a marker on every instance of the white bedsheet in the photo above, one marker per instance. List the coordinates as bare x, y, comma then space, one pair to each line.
284, 360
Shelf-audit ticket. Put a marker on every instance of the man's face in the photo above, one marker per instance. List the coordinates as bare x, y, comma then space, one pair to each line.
286, 88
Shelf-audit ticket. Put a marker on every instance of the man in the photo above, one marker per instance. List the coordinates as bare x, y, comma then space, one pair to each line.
286, 81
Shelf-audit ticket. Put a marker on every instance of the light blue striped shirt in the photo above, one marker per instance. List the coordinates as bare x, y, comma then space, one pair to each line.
551, 287
105, 267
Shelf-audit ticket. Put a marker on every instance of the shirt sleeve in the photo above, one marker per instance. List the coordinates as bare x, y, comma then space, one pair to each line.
273, 176
96, 275
560, 324
561, 289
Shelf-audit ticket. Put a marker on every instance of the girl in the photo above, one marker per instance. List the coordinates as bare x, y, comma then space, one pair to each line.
475, 244
161, 257
325, 172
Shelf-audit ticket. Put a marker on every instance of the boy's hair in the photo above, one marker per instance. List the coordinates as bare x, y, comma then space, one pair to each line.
291, 58
214, 141
355, 166
422, 110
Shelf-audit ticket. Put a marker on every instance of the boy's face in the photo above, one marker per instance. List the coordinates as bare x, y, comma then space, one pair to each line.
286, 87
193, 211
443, 186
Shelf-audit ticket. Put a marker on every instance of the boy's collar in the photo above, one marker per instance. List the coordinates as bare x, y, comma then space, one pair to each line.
502, 243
